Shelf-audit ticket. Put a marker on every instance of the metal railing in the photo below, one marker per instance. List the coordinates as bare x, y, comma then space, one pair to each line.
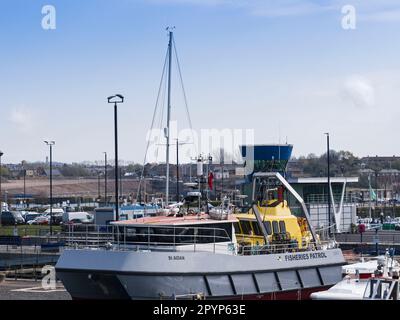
284, 248
323, 198
174, 239
153, 238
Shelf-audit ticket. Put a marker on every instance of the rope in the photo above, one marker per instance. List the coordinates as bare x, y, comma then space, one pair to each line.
160, 126
161, 92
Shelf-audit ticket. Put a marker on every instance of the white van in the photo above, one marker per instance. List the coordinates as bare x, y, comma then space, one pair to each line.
55, 211
77, 217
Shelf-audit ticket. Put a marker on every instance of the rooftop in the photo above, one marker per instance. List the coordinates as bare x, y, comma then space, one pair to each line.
318, 180
173, 221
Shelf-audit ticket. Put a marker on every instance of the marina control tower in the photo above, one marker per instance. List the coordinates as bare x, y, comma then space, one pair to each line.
267, 158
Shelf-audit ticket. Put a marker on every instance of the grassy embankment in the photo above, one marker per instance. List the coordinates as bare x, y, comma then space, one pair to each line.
28, 230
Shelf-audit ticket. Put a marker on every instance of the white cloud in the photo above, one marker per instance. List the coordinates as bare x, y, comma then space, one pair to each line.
359, 91
21, 118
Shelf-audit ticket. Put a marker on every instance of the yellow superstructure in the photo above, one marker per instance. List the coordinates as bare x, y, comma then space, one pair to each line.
280, 224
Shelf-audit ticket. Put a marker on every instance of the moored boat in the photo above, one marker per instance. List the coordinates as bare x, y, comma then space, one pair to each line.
194, 256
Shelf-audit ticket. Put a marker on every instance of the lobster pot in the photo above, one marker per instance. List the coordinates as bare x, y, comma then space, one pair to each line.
199, 167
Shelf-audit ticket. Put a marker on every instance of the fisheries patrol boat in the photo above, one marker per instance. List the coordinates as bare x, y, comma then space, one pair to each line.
195, 256
267, 253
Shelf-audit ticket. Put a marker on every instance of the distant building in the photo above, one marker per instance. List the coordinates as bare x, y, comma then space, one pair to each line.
389, 172
46, 172
314, 192
379, 161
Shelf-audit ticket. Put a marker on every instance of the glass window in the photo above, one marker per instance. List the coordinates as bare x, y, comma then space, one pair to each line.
275, 226
222, 232
282, 226
267, 225
237, 227
184, 235
256, 228
246, 228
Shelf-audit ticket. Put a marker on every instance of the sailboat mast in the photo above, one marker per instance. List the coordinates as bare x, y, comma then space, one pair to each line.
168, 114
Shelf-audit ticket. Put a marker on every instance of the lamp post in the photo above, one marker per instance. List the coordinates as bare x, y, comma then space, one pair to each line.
115, 100
51, 144
105, 178
24, 171
98, 187
329, 182
376, 187
1, 176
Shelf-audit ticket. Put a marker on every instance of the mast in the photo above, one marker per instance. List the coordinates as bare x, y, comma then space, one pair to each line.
168, 113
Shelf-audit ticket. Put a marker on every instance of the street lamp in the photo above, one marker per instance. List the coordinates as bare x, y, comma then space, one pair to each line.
329, 182
98, 186
51, 144
1, 176
24, 172
105, 178
115, 100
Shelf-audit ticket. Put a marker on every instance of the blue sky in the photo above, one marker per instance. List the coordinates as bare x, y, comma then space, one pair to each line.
283, 68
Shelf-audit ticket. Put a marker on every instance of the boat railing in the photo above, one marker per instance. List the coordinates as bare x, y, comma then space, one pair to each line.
154, 238
285, 247
172, 238
273, 248
382, 289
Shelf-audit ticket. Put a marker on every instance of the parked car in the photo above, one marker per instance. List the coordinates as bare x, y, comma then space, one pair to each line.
41, 220
57, 214
10, 218
29, 216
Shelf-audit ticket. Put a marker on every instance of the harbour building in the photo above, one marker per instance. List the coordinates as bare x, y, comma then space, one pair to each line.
313, 190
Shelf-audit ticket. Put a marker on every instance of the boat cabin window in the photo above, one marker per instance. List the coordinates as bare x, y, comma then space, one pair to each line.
237, 228
282, 226
268, 228
201, 233
275, 226
246, 227
256, 228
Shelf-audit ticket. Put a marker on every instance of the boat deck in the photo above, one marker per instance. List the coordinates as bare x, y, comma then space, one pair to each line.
174, 221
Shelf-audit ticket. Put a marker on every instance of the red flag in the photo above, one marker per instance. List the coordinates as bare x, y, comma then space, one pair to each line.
210, 180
